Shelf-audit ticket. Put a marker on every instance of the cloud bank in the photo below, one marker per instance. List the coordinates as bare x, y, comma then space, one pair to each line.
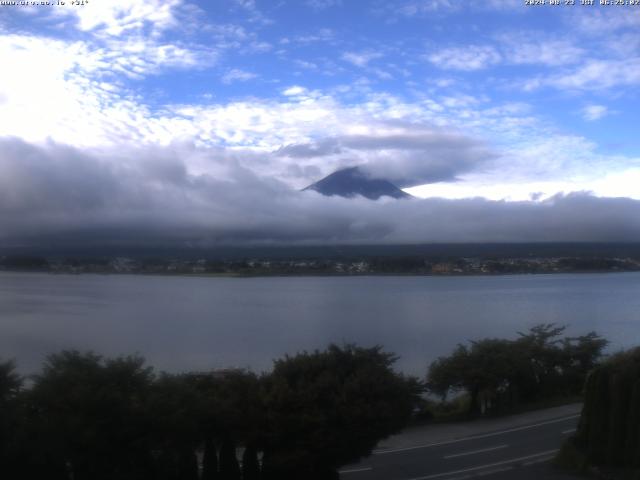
58, 195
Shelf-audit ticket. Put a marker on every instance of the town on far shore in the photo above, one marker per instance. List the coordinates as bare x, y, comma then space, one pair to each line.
383, 265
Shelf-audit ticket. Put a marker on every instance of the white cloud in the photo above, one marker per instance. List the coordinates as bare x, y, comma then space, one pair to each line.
305, 64
43, 85
621, 183
472, 57
503, 5
381, 73
237, 75
523, 50
515, 49
459, 101
361, 59
115, 17
547, 164
139, 57
322, 35
594, 112
605, 20
71, 91
323, 4
294, 91
593, 75
259, 47
420, 7
254, 13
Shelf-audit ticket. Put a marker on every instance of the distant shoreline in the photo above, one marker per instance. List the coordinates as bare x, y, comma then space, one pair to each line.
318, 275
347, 265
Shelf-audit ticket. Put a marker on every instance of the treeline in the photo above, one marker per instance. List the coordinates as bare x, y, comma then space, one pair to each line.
24, 262
85, 417
388, 265
499, 374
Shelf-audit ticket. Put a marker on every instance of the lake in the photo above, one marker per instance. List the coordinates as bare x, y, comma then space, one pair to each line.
198, 323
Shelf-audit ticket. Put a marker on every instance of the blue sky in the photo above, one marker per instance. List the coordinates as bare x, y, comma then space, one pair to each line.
453, 100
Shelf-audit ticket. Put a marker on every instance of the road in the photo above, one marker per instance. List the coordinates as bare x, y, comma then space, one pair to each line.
518, 446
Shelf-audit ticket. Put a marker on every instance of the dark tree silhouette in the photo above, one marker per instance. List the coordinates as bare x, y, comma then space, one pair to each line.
175, 406
609, 428
330, 408
496, 373
88, 417
210, 461
229, 466
10, 385
91, 415
250, 465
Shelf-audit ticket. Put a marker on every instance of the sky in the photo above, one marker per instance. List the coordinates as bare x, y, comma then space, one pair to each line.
197, 123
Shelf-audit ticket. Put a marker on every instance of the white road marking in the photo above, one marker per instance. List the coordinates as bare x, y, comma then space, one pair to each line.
483, 474
571, 430
473, 437
539, 460
489, 449
356, 470
483, 467
492, 471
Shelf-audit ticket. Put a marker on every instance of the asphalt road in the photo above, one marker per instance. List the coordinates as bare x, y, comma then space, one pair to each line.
517, 447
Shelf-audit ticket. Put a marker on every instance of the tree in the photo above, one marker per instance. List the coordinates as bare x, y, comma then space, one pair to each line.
10, 385
230, 412
498, 372
447, 374
91, 414
581, 355
229, 467
175, 407
10, 382
329, 408
557, 365
233, 408
210, 461
485, 371
250, 465
542, 347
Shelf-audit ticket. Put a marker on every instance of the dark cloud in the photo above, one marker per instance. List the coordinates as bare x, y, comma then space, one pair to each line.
55, 194
414, 157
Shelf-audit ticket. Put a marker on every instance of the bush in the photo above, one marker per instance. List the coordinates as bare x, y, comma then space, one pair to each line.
609, 428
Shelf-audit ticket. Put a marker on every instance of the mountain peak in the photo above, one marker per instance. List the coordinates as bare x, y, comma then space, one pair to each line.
352, 181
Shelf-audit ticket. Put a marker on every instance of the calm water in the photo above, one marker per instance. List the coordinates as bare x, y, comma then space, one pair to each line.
188, 323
